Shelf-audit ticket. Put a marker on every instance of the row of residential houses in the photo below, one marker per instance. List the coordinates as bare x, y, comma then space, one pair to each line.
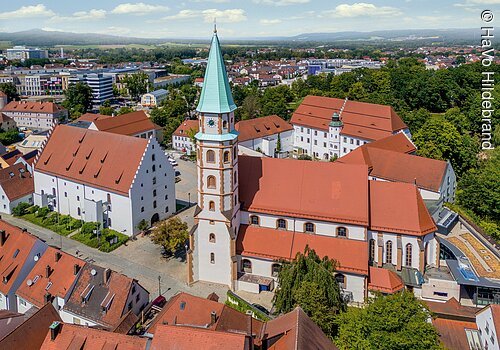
34, 274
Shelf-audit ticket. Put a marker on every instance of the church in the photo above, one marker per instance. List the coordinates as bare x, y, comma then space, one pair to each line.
255, 213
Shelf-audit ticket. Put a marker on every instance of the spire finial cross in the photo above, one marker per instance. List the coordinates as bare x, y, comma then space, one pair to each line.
215, 25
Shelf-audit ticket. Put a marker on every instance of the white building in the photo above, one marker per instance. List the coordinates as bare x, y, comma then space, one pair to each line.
154, 98
270, 135
254, 212
16, 186
24, 53
330, 127
51, 280
20, 252
488, 325
35, 115
102, 297
101, 85
103, 177
182, 136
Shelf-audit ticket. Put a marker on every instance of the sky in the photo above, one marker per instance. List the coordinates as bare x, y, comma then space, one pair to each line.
239, 18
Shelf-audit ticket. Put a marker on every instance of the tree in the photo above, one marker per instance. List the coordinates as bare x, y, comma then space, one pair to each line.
309, 272
439, 139
137, 84
10, 90
250, 107
78, 99
393, 322
10, 137
479, 189
143, 225
106, 109
170, 234
20, 209
124, 110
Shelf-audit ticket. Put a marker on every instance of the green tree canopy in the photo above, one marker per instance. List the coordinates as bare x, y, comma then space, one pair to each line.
394, 322
310, 273
10, 90
170, 234
137, 84
78, 99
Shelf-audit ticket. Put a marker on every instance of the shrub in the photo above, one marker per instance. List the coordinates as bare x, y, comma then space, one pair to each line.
33, 209
88, 228
42, 212
20, 209
64, 219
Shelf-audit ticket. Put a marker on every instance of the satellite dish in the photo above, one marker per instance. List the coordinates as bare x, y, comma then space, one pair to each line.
36, 257
93, 272
29, 283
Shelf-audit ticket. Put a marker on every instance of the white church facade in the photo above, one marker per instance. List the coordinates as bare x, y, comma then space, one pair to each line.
256, 212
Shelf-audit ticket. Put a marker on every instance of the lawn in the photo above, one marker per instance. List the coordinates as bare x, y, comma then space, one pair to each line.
107, 241
61, 224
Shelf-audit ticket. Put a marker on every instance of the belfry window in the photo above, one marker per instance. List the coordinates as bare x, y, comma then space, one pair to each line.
210, 156
211, 181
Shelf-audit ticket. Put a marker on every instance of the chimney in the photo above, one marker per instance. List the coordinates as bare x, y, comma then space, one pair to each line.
213, 317
47, 271
76, 269
54, 330
58, 256
249, 331
107, 275
3, 237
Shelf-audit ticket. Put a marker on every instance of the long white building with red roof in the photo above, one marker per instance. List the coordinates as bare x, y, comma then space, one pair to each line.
330, 127
98, 176
256, 212
35, 115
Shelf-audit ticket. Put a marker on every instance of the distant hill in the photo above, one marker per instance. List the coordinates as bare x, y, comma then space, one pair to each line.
42, 38
39, 37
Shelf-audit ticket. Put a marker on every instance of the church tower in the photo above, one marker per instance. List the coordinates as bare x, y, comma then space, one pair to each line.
212, 254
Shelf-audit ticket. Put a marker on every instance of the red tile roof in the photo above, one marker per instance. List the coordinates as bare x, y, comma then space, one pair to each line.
452, 309
315, 190
188, 310
61, 277
31, 333
385, 281
98, 159
186, 126
395, 166
33, 107
13, 254
116, 291
366, 121
72, 337
188, 338
127, 124
351, 255
296, 331
452, 332
397, 143
16, 181
91, 117
261, 127
399, 208
12, 156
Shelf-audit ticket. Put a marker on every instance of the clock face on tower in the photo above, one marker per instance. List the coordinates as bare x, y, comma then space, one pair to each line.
210, 123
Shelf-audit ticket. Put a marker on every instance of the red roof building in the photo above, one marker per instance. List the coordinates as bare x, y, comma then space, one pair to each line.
35, 115
136, 124
181, 138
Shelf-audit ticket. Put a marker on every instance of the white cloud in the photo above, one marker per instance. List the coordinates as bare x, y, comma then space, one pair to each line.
90, 15
28, 12
281, 2
222, 16
266, 22
214, 1
138, 8
363, 9
484, 2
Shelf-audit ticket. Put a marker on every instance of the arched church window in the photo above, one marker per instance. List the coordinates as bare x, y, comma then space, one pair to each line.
254, 220
211, 238
281, 224
309, 227
247, 265
341, 232
408, 259
388, 252
211, 206
226, 157
210, 156
211, 181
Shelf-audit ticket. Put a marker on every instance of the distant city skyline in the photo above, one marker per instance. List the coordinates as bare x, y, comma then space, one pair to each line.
239, 18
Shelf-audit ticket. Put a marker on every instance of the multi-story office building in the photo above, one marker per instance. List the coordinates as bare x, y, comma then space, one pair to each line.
24, 53
101, 85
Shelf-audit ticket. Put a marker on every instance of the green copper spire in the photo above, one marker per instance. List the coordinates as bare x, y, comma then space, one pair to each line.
216, 94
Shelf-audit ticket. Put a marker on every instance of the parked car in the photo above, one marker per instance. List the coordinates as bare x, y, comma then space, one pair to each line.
261, 308
177, 173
